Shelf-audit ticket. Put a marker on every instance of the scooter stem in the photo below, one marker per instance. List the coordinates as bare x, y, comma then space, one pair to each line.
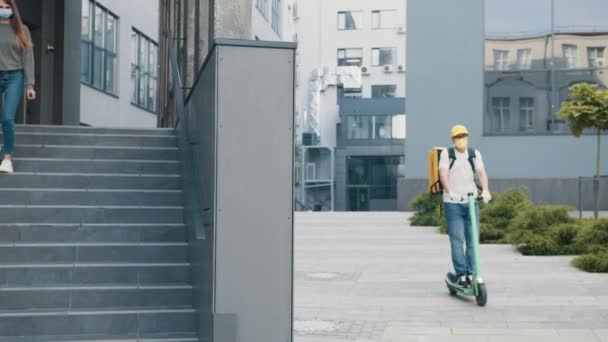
475, 234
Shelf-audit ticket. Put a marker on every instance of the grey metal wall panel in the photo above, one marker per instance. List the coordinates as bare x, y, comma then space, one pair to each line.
201, 110
254, 242
443, 89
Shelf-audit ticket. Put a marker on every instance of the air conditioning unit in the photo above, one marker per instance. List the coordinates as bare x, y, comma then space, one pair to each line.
389, 68
365, 70
401, 68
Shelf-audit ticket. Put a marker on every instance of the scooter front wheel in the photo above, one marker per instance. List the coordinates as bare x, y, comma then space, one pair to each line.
482, 295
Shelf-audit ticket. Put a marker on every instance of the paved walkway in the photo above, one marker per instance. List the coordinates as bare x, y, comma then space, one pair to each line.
371, 277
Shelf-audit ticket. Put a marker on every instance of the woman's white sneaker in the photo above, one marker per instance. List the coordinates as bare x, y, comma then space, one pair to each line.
6, 166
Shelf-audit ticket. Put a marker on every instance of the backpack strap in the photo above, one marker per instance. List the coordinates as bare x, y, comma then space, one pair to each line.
452, 156
472, 157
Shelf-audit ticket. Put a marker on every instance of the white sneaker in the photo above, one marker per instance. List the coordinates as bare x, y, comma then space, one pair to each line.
6, 166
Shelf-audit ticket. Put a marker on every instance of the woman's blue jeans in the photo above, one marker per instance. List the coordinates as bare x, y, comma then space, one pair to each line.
12, 86
459, 231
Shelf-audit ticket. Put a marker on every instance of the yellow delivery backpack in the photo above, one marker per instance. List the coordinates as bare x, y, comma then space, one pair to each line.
434, 156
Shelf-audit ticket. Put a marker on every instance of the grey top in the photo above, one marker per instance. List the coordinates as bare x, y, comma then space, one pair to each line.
12, 57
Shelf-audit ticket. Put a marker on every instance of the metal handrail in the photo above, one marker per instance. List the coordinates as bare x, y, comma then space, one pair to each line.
191, 182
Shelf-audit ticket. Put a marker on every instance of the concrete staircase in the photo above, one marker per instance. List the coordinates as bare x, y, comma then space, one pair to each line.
92, 241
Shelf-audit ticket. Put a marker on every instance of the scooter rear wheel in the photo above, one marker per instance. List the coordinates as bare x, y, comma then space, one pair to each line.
452, 291
482, 297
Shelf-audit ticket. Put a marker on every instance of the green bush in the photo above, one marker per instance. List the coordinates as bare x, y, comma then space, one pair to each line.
504, 207
537, 220
428, 210
592, 262
593, 237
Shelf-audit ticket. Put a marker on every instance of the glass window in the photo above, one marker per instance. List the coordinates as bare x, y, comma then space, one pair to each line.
359, 127
276, 15
98, 47
501, 60
384, 56
526, 114
524, 59
596, 57
382, 127
353, 92
144, 71
382, 91
350, 57
502, 113
262, 6
385, 19
350, 20
570, 53
358, 171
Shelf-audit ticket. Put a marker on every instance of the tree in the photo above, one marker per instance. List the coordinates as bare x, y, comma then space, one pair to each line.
588, 108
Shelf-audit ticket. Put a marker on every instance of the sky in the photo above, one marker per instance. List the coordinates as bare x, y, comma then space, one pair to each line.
525, 16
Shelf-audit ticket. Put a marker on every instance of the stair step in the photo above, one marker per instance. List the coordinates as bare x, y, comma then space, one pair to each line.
73, 165
93, 233
107, 197
93, 139
89, 214
96, 152
90, 181
94, 297
174, 337
93, 253
95, 130
20, 274
97, 322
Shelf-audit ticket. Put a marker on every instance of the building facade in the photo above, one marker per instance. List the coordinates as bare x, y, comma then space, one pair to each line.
356, 45
119, 63
195, 24
507, 74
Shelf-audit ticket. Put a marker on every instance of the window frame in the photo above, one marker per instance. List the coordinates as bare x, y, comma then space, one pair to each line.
377, 86
502, 111
527, 114
137, 71
570, 59
346, 58
355, 21
276, 14
593, 60
501, 63
379, 49
262, 7
94, 48
379, 25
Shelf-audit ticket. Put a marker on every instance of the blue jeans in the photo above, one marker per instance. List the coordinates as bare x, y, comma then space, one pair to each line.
459, 230
12, 86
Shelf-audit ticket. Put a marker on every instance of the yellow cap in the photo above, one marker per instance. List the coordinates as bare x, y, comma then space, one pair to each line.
458, 130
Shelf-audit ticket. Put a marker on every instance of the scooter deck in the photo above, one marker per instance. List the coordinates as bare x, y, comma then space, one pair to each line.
466, 291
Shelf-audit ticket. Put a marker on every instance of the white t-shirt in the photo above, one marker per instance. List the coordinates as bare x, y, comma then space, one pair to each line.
461, 180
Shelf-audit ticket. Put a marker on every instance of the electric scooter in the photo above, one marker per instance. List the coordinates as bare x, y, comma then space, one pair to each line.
477, 288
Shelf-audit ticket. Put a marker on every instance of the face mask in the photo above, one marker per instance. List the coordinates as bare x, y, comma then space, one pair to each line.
6, 13
461, 143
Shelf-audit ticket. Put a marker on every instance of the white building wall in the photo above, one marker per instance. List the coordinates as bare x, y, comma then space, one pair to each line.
319, 40
101, 109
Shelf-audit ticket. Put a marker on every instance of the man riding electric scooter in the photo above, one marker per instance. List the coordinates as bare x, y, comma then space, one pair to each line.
458, 170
